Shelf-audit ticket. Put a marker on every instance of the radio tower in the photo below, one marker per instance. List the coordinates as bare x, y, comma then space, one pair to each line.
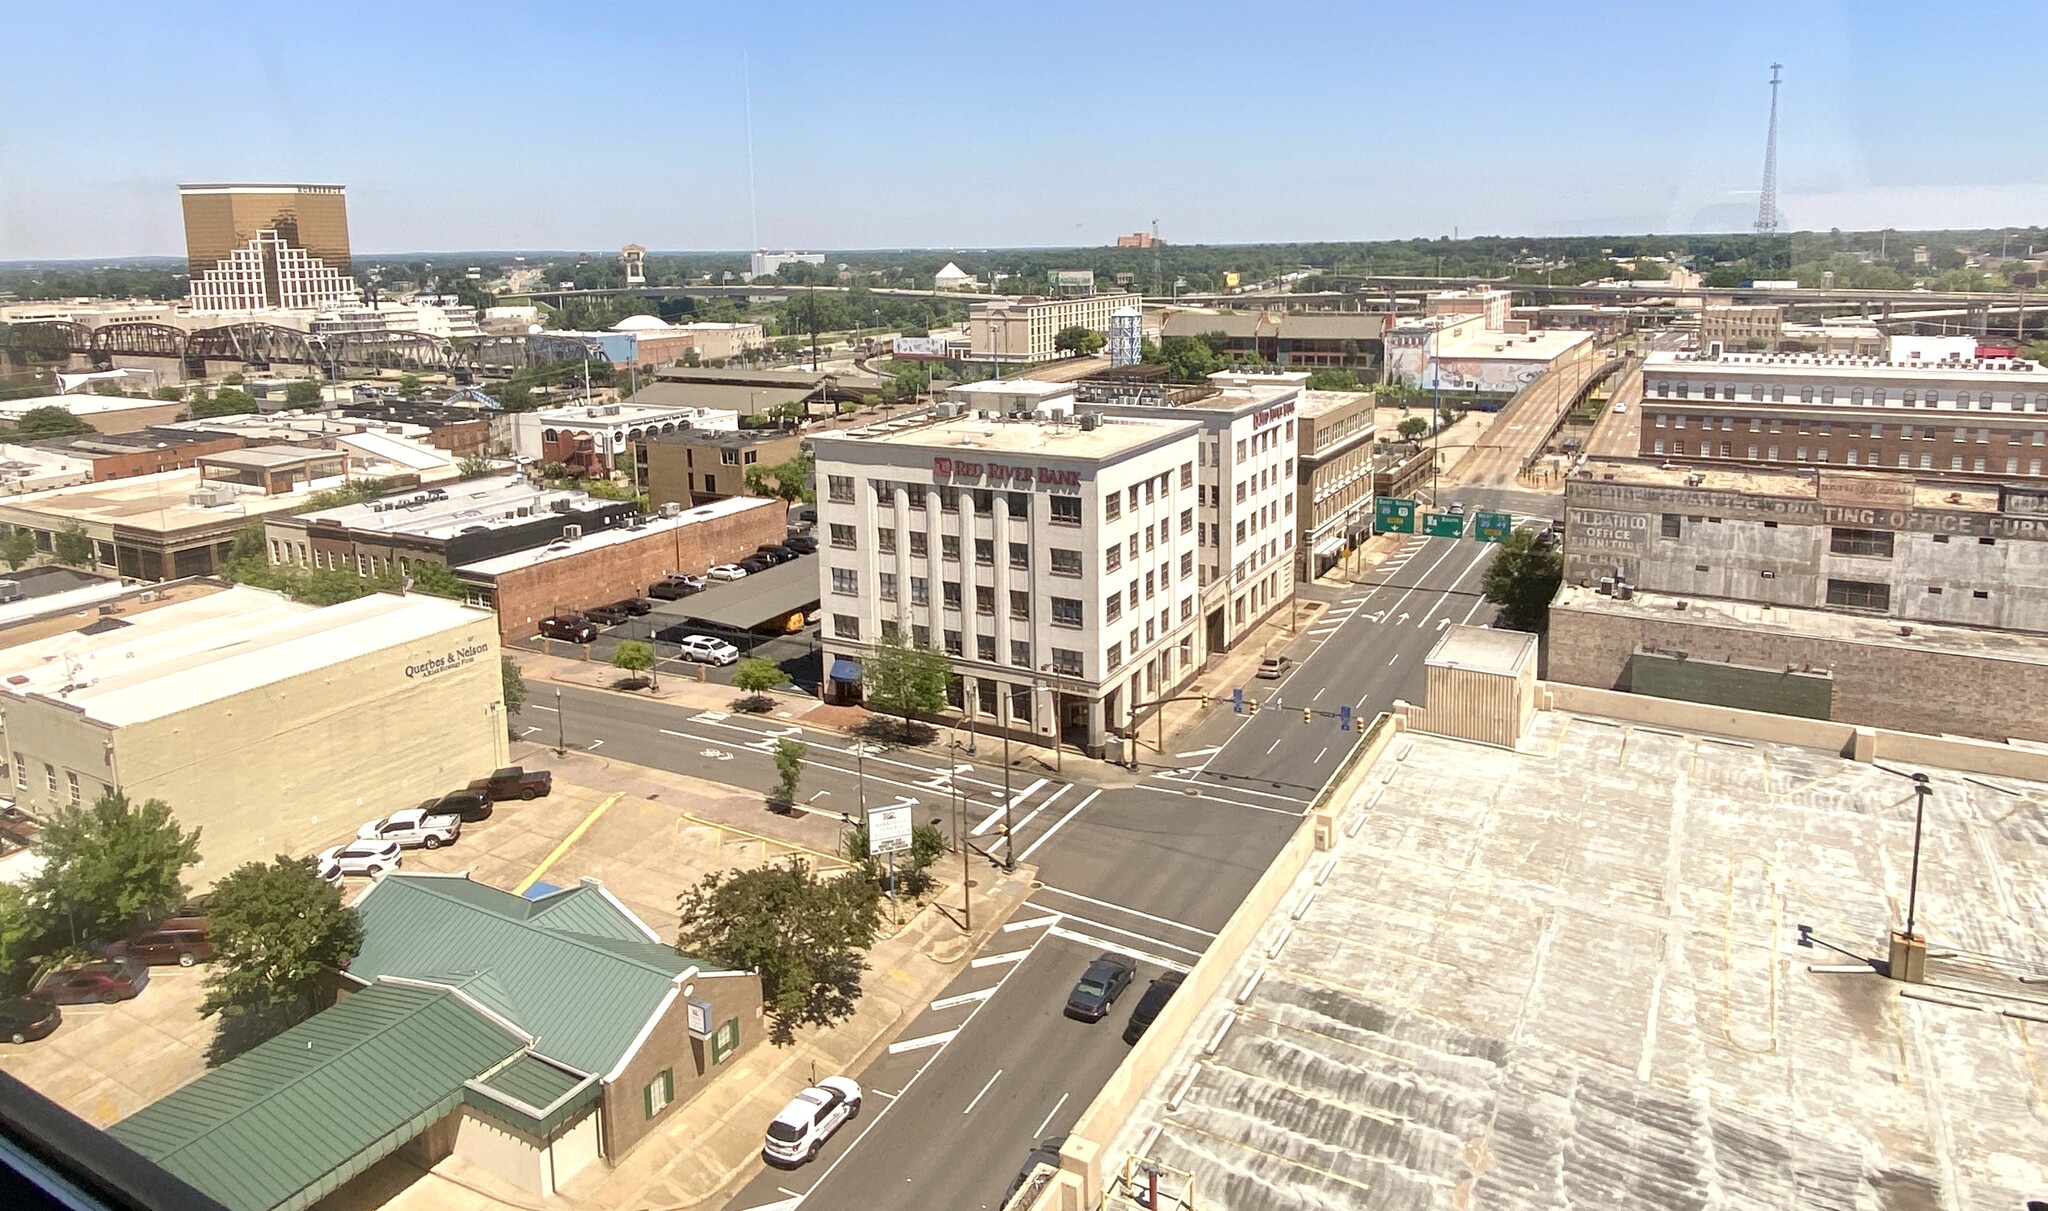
1767, 202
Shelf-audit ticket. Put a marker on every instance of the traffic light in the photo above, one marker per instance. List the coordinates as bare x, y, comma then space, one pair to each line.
1205, 700
1254, 704
1308, 714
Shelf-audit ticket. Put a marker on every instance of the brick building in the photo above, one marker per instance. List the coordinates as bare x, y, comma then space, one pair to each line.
694, 467
594, 568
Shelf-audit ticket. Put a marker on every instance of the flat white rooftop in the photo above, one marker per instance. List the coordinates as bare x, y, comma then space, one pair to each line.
2016, 372
970, 438
1539, 345
627, 413
614, 536
171, 659
492, 502
159, 503
79, 405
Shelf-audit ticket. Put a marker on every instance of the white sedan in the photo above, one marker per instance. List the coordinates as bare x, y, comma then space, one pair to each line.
727, 571
809, 1120
413, 827
705, 650
362, 857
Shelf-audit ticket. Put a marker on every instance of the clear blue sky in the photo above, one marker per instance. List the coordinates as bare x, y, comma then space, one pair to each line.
472, 126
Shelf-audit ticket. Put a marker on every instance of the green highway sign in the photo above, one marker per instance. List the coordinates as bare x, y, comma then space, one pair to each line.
1492, 527
1444, 525
1393, 515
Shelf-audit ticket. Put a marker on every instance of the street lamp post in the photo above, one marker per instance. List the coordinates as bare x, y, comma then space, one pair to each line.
561, 731
1921, 789
1058, 754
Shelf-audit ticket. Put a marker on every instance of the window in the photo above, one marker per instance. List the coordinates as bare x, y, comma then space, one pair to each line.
1134, 496
50, 778
1671, 523
1020, 653
1020, 603
915, 494
885, 541
1112, 506
1187, 520
1187, 475
842, 536
1113, 558
1934, 590
1979, 594
949, 547
1065, 510
1148, 538
1148, 584
1066, 612
839, 489
1065, 562
1876, 543
1240, 531
1113, 659
885, 585
730, 458
984, 500
985, 649
920, 591
953, 645
1020, 555
920, 544
984, 600
1020, 504
846, 581
659, 1092
20, 772
1187, 564
1113, 607
846, 626
949, 592
76, 794
1859, 594
985, 552
920, 635
1067, 661
949, 498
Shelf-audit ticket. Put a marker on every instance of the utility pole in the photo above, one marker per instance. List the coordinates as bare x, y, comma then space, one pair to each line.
561, 731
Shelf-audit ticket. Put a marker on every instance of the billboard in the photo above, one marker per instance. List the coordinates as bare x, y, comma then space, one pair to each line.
928, 347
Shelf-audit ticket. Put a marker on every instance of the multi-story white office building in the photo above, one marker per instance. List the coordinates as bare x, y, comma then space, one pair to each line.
1054, 557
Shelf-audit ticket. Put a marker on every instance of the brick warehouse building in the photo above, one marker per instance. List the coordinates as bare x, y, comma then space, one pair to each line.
573, 574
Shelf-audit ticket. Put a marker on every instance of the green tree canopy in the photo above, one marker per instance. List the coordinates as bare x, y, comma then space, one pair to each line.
1522, 579
228, 401
1412, 427
789, 768
515, 685
302, 392
633, 655
1079, 341
109, 866
1188, 359
49, 420
792, 480
1335, 378
73, 546
758, 675
279, 936
804, 934
17, 549
900, 678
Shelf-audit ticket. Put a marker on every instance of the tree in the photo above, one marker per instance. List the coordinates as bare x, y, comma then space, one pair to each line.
912, 867
1412, 427
473, 468
758, 675
228, 401
803, 934
789, 768
1078, 341
17, 549
1522, 579
409, 386
1334, 378
72, 545
109, 866
792, 480
900, 678
279, 935
1188, 359
50, 421
635, 656
515, 685
301, 393
232, 378
169, 395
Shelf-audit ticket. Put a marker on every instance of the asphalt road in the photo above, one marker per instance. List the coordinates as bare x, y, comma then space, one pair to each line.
1518, 432
1152, 870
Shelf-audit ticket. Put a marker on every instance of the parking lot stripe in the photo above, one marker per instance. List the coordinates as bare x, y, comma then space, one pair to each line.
1074, 895
575, 835
965, 998
1014, 956
1118, 947
1033, 923
918, 1044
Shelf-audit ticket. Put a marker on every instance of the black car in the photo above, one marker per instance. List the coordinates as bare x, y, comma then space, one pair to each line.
773, 554
472, 805
802, 544
756, 564
1100, 986
674, 588
1157, 994
25, 1019
638, 607
606, 616
569, 627
1047, 1153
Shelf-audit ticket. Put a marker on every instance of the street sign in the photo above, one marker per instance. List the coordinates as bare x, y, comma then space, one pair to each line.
1237, 701
1343, 718
1393, 515
1492, 527
888, 829
1444, 525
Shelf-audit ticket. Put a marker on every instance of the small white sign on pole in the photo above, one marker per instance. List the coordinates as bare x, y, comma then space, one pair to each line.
889, 830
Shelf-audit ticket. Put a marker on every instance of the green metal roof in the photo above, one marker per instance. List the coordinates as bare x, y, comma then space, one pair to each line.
533, 1095
291, 1120
573, 969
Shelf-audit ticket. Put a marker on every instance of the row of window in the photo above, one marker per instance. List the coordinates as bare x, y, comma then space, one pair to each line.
1978, 464
1926, 433
71, 789
1258, 443
1154, 487
1910, 397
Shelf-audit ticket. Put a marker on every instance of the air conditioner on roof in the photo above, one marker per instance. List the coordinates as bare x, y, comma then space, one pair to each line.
572, 530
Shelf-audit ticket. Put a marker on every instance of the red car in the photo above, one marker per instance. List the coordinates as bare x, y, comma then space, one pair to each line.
113, 980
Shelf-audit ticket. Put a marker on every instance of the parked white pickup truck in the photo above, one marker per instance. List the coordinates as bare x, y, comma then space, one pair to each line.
413, 828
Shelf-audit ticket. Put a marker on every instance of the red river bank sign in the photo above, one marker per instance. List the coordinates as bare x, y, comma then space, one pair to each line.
1049, 477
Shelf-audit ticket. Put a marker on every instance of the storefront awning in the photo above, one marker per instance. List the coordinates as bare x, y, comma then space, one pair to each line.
1331, 545
846, 670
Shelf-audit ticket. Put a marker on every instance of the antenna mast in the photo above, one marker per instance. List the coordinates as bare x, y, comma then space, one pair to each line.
1767, 201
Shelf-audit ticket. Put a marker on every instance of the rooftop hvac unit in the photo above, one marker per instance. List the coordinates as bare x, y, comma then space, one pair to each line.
670, 508
572, 530
523, 511
1090, 421
559, 506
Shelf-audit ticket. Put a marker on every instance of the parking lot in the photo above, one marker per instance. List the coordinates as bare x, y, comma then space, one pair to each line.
105, 1062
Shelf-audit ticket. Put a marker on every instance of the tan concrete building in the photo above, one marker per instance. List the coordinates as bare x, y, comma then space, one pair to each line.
1734, 327
256, 246
1335, 473
694, 467
268, 724
1023, 330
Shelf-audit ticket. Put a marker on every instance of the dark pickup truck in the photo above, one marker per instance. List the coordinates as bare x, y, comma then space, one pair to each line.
516, 782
